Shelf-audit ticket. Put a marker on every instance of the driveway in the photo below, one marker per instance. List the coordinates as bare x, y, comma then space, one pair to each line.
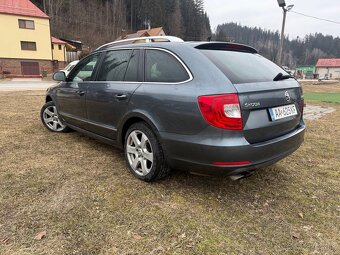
24, 84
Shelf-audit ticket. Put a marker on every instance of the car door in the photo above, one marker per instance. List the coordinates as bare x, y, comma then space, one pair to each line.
107, 99
71, 95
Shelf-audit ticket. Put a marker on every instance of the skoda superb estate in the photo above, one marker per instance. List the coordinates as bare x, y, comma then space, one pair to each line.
204, 107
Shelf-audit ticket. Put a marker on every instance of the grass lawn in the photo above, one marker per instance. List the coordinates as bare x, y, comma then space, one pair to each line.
79, 191
323, 97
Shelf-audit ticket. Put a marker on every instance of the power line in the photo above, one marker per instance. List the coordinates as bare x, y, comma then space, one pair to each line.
313, 17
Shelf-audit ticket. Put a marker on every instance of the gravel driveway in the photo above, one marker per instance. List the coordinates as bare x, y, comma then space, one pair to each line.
24, 84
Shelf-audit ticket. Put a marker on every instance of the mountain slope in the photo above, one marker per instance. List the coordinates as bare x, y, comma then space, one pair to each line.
299, 51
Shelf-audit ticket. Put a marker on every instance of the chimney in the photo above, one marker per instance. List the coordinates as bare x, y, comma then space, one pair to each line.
123, 34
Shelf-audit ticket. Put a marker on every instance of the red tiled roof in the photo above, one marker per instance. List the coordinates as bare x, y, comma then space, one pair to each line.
21, 7
153, 31
141, 33
56, 40
328, 62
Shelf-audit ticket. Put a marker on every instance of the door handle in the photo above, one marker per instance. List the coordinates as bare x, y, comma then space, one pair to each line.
121, 96
80, 93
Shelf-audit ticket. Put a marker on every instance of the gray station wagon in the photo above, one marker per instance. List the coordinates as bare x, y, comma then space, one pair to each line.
204, 107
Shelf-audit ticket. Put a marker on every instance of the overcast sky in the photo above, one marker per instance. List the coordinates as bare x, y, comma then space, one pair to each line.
267, 14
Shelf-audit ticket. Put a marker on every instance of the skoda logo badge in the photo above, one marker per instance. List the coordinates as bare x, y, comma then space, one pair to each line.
287, 96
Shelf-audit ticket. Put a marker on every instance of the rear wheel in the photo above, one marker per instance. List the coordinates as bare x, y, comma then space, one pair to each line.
144, 153
50, 118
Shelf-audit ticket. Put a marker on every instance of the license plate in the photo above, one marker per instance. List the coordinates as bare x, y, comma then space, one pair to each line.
282, 112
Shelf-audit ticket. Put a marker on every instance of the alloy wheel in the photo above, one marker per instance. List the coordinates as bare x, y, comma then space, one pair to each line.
51, 119
139, 153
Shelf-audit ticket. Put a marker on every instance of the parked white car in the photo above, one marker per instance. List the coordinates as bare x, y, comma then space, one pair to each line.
69, 67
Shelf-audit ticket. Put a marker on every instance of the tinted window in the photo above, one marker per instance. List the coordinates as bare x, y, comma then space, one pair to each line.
241, 67
132, 70
85, 69
161, 66
114, 65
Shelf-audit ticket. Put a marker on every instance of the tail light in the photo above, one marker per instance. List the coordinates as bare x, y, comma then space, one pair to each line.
222, 111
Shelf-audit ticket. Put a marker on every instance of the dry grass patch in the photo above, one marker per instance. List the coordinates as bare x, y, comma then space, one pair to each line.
320, 87
80, 192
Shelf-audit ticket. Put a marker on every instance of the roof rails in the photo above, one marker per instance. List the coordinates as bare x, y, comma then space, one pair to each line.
145, 39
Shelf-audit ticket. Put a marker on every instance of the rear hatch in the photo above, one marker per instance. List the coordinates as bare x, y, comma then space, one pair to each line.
269, 108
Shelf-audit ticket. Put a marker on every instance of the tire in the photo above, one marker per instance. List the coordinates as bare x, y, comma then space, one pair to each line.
50, 118
144, 154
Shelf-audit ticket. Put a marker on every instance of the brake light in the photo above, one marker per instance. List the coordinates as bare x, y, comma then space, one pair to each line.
222, 111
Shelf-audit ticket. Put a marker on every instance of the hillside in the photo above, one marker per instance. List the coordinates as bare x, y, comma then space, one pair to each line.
299, 51
98, 22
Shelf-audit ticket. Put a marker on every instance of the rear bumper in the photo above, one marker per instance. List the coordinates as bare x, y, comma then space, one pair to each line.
196, 153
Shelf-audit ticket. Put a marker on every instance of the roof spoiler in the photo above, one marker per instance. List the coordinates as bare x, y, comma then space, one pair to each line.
226, 46
145, 39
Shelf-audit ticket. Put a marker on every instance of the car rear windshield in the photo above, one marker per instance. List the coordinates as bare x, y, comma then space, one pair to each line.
243, 67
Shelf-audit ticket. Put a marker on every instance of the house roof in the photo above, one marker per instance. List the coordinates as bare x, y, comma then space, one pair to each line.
141, 33
58, 41
328, 62
153, 31
134, 35
22, 8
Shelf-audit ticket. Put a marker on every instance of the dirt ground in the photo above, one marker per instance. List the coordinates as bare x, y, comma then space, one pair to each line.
323, 87
79, 191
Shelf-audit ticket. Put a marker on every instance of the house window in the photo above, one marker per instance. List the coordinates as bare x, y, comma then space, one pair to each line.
28, 24
28, 45
59, 46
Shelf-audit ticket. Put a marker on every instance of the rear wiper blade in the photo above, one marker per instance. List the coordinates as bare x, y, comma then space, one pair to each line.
281, 76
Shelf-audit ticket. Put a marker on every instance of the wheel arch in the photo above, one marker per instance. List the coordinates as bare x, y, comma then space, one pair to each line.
129, 120
48, 99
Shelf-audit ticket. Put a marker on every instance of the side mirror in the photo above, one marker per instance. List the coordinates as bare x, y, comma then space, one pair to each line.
59, 76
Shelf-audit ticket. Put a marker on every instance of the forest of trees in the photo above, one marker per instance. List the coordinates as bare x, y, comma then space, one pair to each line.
299, 51
100, 21
95, 22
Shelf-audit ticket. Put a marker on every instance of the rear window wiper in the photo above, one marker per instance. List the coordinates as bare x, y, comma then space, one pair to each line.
281, 76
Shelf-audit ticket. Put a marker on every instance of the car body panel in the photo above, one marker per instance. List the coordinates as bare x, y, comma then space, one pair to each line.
106, 103
70, 100
172, 112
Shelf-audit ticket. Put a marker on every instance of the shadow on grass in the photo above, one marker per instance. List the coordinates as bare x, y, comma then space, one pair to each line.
266, 180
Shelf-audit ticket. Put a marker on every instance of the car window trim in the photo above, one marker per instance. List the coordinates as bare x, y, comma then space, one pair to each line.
141, 70
99, 54
137, 51
103, 55
191, 77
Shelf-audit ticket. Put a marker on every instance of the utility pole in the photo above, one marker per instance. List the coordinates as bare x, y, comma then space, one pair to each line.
279, 58
282, 4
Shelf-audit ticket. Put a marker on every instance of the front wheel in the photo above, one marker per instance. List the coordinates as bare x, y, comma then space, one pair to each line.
50, 118
144, 153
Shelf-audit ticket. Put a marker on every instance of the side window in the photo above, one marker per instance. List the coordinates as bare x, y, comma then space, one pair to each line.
114, 65
132, 70
85, 69
161, 66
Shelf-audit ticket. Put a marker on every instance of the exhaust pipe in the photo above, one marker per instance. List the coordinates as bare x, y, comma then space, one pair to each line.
240, 176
